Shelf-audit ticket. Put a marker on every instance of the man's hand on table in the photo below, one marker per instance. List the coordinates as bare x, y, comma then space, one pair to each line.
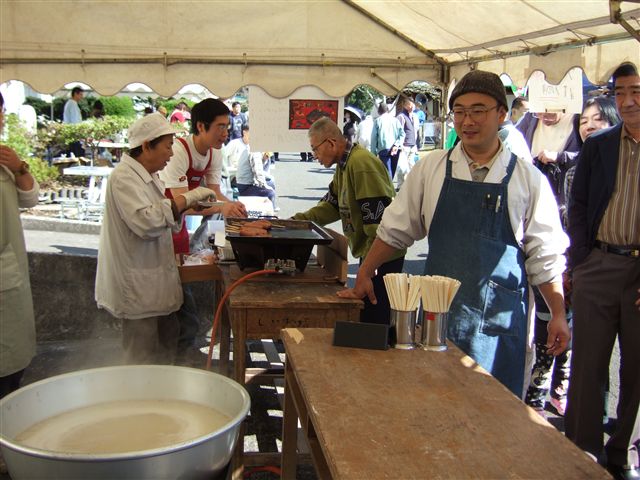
363, 288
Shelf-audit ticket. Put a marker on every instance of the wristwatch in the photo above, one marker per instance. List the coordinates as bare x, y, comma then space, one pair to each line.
24, 168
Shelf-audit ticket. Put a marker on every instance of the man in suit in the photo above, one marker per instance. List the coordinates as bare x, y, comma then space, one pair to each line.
604, 226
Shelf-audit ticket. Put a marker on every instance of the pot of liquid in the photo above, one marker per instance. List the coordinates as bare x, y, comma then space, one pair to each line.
127, 422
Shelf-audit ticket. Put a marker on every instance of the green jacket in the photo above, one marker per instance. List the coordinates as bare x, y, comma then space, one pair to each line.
358, 194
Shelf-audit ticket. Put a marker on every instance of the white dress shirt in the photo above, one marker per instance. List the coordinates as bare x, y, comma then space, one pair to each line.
532, 209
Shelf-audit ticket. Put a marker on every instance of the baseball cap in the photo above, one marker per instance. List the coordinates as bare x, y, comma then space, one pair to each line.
149, 128
479, 81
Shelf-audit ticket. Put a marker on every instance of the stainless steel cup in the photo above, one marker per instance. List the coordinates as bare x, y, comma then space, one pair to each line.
434, 331
403, 329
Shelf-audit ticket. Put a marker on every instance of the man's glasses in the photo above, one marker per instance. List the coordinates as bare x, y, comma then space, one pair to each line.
477, 113
549, 116
315, 149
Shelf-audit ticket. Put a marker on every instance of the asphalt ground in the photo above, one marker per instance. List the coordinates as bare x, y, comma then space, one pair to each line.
299, 185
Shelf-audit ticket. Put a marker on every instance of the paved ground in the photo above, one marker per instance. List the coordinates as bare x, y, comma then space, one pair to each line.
299, 186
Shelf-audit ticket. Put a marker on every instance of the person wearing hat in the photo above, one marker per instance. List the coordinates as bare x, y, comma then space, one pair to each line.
137, 278
492, 223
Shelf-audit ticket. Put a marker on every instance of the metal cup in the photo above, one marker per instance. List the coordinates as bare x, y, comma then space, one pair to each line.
434, 331
403, 329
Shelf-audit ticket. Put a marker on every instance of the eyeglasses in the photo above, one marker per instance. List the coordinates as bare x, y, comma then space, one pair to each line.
315, 149
477, 113
221, 127
550, 116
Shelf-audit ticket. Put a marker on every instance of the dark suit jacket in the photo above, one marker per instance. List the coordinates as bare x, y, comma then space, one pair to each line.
593, 185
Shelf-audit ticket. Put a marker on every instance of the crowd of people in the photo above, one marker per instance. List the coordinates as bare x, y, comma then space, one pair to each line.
544, 239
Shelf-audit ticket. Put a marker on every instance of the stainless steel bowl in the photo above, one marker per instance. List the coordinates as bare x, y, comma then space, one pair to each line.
199, 458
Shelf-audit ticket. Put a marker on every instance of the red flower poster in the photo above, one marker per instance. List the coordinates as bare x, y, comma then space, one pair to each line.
302, 113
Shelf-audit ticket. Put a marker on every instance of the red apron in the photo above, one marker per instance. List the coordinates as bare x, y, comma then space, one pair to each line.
181, 239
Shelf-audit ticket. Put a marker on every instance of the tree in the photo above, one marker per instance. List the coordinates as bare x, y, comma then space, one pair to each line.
364, 97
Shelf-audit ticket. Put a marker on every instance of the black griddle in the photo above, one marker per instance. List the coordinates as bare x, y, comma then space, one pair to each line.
288, 240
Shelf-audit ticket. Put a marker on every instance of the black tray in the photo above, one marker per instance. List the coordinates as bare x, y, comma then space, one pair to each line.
294, 240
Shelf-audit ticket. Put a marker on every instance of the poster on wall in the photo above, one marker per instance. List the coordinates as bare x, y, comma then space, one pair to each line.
302, 113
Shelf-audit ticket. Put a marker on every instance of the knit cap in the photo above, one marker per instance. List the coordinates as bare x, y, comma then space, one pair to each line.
479, 81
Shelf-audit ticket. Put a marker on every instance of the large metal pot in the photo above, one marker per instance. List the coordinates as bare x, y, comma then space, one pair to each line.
202, 457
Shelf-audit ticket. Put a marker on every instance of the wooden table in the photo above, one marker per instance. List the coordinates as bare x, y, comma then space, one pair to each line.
262, 307
413, 414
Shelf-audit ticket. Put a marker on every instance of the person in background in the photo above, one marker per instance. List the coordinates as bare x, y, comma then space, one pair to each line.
162, 111
98, 109
492, 223
360, 191
72, 114
350, 128
386, 138
250, 176
137, 277
552, 373
237, 120
554, 144
365, 129
422, 118
519, 106
18, 189
513, 139
597, 113
409, 122
604, 226
198, 158
178, 114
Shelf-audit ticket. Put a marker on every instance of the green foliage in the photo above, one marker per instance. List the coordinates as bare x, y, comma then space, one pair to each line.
56, 135
363, 97
41, 171
42, 108
170, 103
58, 108
17, 137
118, 107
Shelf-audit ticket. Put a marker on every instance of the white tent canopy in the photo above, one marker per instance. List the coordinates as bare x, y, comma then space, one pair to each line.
333, 44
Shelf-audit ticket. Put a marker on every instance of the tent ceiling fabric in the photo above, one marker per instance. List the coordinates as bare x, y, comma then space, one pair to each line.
282, 45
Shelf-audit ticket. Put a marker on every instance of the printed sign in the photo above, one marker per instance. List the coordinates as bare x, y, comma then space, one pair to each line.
302, 113
564, 97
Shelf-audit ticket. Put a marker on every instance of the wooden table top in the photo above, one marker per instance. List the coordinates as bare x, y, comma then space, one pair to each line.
286, 293
418, 414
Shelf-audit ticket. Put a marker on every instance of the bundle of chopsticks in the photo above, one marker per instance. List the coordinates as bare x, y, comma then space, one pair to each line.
403, 291
438, 292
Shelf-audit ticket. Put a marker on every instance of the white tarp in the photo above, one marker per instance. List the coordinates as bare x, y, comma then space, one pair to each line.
282, 45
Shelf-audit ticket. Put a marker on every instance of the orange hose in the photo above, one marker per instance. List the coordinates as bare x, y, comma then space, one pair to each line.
267, 468
216, 319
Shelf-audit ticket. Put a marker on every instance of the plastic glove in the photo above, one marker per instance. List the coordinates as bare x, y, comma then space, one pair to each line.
197, 194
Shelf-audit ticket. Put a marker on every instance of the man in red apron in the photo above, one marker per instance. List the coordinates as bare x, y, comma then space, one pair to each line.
195, 159
492, 223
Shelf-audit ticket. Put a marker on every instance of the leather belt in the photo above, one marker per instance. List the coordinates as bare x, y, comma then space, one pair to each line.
624, 251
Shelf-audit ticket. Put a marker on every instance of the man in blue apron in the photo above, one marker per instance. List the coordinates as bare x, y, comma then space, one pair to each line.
492, 223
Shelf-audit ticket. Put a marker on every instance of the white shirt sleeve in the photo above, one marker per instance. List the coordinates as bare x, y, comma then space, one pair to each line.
145, 217
533, 212
174, 175
213, 176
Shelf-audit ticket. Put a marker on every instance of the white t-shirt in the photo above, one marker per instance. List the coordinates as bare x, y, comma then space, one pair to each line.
174, 175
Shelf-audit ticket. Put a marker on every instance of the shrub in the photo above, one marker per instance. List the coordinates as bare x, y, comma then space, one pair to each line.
18, 137
118, 106
41, 170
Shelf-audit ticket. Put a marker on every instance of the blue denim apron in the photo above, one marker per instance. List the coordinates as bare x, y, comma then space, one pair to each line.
471, 239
